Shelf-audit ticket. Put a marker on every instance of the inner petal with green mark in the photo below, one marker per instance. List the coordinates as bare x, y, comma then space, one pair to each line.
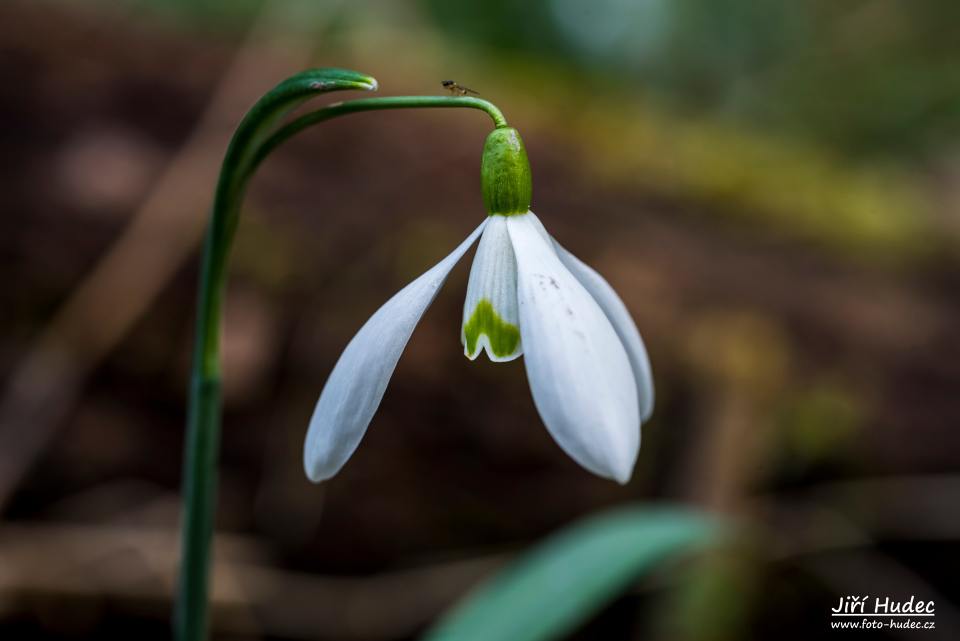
491, 316
487, 330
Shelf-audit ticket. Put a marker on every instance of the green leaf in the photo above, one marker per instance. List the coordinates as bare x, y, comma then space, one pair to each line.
556, 586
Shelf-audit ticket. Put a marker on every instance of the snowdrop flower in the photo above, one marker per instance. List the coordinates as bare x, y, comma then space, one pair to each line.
586, 363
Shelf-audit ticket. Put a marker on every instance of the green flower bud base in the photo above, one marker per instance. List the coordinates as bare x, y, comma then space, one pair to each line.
505, 174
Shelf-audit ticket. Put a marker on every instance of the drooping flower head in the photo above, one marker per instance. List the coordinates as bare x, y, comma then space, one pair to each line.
587, 366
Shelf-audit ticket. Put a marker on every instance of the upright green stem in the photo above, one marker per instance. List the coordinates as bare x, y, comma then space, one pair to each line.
258, 134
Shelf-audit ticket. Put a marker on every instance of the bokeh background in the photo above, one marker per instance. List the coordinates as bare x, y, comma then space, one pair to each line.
773, 188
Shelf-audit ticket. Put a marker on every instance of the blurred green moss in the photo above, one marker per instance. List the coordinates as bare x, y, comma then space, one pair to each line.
818, 422
866, 78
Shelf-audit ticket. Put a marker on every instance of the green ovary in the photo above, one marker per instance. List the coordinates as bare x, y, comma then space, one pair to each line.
503, 336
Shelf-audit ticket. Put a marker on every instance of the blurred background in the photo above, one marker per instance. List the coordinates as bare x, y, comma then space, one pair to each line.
772, 187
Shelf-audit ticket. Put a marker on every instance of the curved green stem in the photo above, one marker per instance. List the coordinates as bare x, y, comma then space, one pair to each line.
258, 134
202, 443
373, 104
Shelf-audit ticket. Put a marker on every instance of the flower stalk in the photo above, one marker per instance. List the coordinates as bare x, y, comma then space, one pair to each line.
259, 133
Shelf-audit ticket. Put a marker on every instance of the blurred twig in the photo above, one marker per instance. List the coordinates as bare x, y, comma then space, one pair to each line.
133, 564
158, 240
741, 363
909, 508
136, 565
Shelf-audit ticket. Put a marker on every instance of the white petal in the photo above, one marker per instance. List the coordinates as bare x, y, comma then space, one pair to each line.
579, 373
491, 319
355, 387
623, 324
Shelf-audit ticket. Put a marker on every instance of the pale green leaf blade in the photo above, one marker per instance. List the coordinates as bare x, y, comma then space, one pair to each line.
558, 584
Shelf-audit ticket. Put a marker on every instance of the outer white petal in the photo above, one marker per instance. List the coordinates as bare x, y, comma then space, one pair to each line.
355, 387
579, 373
622, 323
491, 318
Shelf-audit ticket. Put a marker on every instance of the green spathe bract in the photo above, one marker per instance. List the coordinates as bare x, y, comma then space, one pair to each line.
503, 336
505, 173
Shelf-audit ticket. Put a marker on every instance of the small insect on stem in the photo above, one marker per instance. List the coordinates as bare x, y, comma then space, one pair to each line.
456, 89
